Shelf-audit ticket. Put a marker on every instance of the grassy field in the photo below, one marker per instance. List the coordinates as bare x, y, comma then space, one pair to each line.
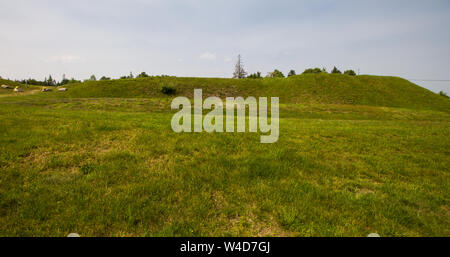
355, 155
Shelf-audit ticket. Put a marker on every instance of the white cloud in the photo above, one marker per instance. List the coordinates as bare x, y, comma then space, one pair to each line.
208, 56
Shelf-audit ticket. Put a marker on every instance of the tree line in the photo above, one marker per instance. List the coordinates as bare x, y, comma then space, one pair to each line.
50, 81
240, 73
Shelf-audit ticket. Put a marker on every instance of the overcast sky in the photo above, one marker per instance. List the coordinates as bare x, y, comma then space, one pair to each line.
410, 39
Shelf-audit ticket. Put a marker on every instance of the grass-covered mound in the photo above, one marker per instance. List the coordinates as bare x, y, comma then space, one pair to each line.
308, 88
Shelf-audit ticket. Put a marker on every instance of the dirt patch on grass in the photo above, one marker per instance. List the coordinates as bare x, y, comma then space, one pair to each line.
364, 191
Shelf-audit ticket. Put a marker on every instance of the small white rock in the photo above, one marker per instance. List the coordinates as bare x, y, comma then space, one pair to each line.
73, 235
373, 235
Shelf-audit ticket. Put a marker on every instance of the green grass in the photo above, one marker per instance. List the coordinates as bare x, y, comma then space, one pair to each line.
308, 88
365, 154
9, 83
30, 89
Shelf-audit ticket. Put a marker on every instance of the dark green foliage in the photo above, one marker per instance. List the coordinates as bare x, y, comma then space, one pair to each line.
63, 82
34, 82
168, 90
350, 72
143, 75
128, 77
313, 70
336, 71
50, 81
256, 75
87, 168
442, 93
276, 74
105, 78
291, 73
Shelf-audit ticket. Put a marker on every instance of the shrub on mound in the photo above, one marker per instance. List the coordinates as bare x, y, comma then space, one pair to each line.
168, 90
313, 70
350, 72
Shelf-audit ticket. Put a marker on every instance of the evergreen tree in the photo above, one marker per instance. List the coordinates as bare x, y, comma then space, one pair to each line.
336, 71
50, 81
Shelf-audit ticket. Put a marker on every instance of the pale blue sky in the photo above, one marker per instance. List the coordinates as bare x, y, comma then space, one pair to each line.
410, 39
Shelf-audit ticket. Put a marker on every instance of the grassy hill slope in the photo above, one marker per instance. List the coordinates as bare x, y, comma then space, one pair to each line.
102, 160
310, 88
10, 83
30, 89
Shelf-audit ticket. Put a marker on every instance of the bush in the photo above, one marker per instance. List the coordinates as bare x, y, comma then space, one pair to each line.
256, 75
350, 72
276, 74
442, 93
291, 73
313, 71
128, 77
105, 78
168, 90
143, 75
